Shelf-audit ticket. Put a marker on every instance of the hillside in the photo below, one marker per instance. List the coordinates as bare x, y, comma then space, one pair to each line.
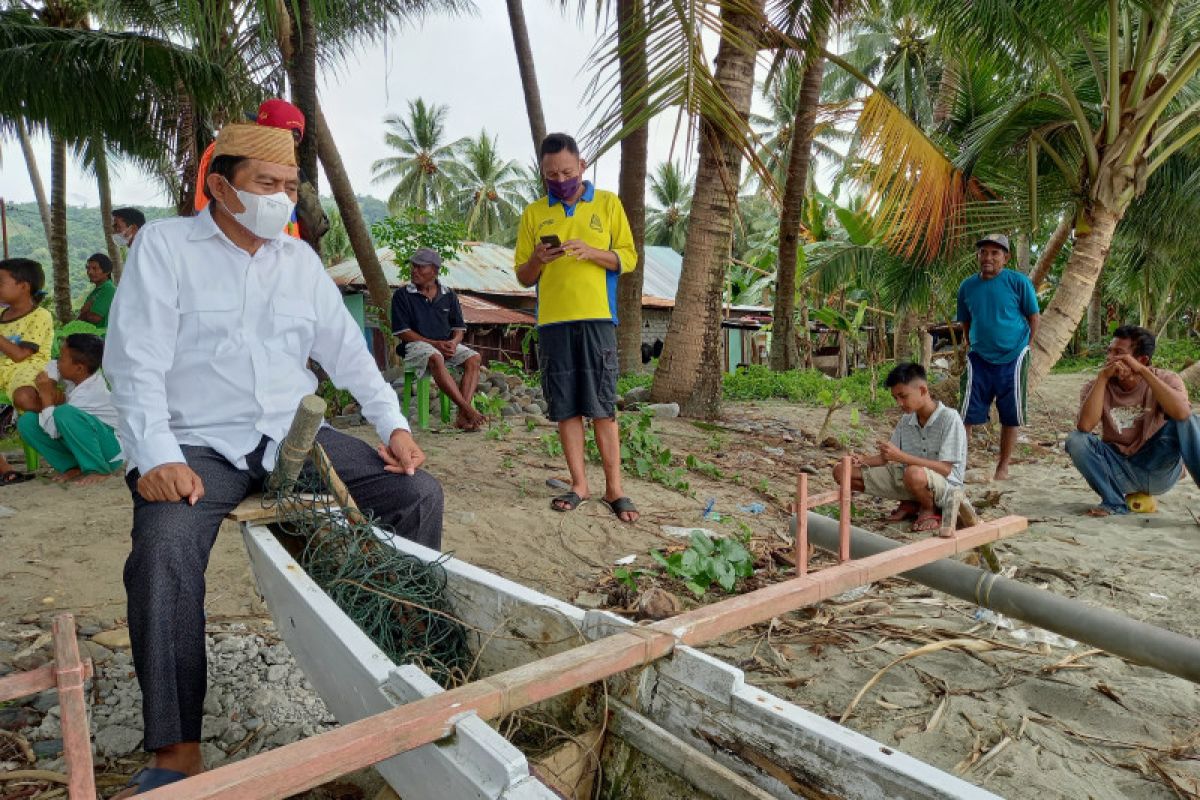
85, 234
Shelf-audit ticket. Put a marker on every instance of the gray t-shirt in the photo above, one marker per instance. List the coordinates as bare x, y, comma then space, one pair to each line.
942, 439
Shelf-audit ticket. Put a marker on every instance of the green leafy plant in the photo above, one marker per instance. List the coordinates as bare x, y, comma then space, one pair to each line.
498, 430
629, 576
703, 467
489, 405
552, 444
705, 562
634, 381
642, 453
335, 399
757, 382
530, 424
414, 229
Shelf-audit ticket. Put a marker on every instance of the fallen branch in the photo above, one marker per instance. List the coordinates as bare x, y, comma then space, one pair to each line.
34, 775
972, 645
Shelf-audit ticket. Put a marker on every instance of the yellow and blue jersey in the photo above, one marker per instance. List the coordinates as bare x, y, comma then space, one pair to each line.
571, 289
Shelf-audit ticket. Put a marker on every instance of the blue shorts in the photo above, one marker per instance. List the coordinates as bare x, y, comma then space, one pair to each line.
1004, 384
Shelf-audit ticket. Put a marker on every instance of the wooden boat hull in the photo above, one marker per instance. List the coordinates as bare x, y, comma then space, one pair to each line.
690, 713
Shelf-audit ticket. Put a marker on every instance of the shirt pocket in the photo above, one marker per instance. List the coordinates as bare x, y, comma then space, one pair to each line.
293, 326
207, 320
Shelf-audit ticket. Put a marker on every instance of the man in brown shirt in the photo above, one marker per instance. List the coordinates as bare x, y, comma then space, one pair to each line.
1147, 428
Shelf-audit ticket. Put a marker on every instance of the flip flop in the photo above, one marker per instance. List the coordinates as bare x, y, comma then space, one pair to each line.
12, 476
150, 778
567, 502
927, 521
905, 511
622, 505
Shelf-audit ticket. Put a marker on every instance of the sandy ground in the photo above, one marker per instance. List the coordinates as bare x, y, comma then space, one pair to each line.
1106, 730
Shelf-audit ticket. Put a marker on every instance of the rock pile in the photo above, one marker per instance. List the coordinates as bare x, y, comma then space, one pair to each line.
257, 699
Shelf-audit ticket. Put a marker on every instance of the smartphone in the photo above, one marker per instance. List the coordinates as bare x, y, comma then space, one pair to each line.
551, 240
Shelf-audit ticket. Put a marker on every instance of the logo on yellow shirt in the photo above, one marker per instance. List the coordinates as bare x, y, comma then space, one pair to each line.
595, 224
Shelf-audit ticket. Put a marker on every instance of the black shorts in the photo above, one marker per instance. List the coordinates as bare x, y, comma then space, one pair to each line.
579, 369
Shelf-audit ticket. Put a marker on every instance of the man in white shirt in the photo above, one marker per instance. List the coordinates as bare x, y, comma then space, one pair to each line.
214, 322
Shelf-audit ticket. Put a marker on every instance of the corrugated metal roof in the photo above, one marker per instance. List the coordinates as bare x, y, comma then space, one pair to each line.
488, 268
477, 311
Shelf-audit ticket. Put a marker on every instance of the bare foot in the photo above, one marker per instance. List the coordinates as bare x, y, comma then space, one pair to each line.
469, 421
92, 478
1097, 512
1001, 474
69, 475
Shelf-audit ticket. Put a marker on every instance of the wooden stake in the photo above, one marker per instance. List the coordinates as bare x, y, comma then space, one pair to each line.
802, 524
844, 517
293, 450
69, 674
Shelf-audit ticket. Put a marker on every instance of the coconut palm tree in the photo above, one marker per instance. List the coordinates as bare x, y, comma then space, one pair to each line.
487, 191
423, 156
525, 65
671, 194
689, 372
1118, 100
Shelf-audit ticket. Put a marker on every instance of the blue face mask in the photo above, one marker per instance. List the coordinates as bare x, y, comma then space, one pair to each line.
563, 190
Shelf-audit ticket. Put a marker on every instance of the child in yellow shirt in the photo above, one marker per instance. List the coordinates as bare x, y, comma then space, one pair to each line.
26, 335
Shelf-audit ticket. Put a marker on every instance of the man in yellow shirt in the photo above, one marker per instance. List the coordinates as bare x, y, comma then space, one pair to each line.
573, 245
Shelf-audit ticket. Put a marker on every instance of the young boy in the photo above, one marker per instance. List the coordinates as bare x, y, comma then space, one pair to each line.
925, 459
74, 430
26, 335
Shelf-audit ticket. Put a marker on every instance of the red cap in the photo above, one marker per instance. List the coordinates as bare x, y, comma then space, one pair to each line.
276, 113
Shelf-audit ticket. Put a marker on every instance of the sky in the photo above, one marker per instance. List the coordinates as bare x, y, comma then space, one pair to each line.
464, 62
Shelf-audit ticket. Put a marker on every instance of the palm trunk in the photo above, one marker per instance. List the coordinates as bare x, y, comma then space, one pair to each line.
59, 258
190, 149
631, 15
106, 207
529, 84
1095, 320
1061, 318
785, 354
35, 178
689, 372
1191, 374
302, 74
352, 218
907, 323
1053, 247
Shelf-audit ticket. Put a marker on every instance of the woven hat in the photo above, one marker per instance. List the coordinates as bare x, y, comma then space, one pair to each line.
248, 140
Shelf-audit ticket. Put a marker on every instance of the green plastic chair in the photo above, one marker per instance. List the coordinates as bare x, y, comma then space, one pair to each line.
32, 460
423, 385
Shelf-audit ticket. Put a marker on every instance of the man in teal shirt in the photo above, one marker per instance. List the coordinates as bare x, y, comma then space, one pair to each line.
999, 308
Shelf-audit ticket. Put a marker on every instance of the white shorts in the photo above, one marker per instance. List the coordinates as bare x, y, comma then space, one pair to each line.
888, 481
416, 356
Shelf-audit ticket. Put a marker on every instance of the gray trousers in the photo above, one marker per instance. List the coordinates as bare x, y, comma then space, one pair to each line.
164, 574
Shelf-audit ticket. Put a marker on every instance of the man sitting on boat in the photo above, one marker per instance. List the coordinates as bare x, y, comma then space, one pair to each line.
213, 325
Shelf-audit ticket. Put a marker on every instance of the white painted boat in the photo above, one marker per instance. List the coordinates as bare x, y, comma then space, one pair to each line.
688, 727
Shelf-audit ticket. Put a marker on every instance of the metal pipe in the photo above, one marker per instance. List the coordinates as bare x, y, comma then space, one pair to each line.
1130, 639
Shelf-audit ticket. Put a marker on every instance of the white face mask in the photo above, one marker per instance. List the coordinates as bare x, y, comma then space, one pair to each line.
265, 214
121, 239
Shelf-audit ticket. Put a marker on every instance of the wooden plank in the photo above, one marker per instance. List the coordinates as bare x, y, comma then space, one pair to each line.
823, 499
313, 761
69, 673
706, 774
252, 509
844, 498
801, 509
24, 684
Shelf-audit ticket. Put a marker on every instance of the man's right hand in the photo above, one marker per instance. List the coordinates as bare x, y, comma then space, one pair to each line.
543, 254
170, 483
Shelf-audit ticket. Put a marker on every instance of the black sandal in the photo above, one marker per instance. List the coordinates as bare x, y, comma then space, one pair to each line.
12, 476
622, 505
569, 502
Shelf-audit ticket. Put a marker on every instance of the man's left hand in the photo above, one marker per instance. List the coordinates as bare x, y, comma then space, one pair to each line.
891, 453
446, 348
1130, 365
401, 454
581, 250
44, 381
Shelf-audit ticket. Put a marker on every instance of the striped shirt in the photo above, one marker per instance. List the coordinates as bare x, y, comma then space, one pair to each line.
942, 439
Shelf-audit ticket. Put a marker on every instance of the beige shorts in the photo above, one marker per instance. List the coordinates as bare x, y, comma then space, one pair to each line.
416, 356
888, 481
